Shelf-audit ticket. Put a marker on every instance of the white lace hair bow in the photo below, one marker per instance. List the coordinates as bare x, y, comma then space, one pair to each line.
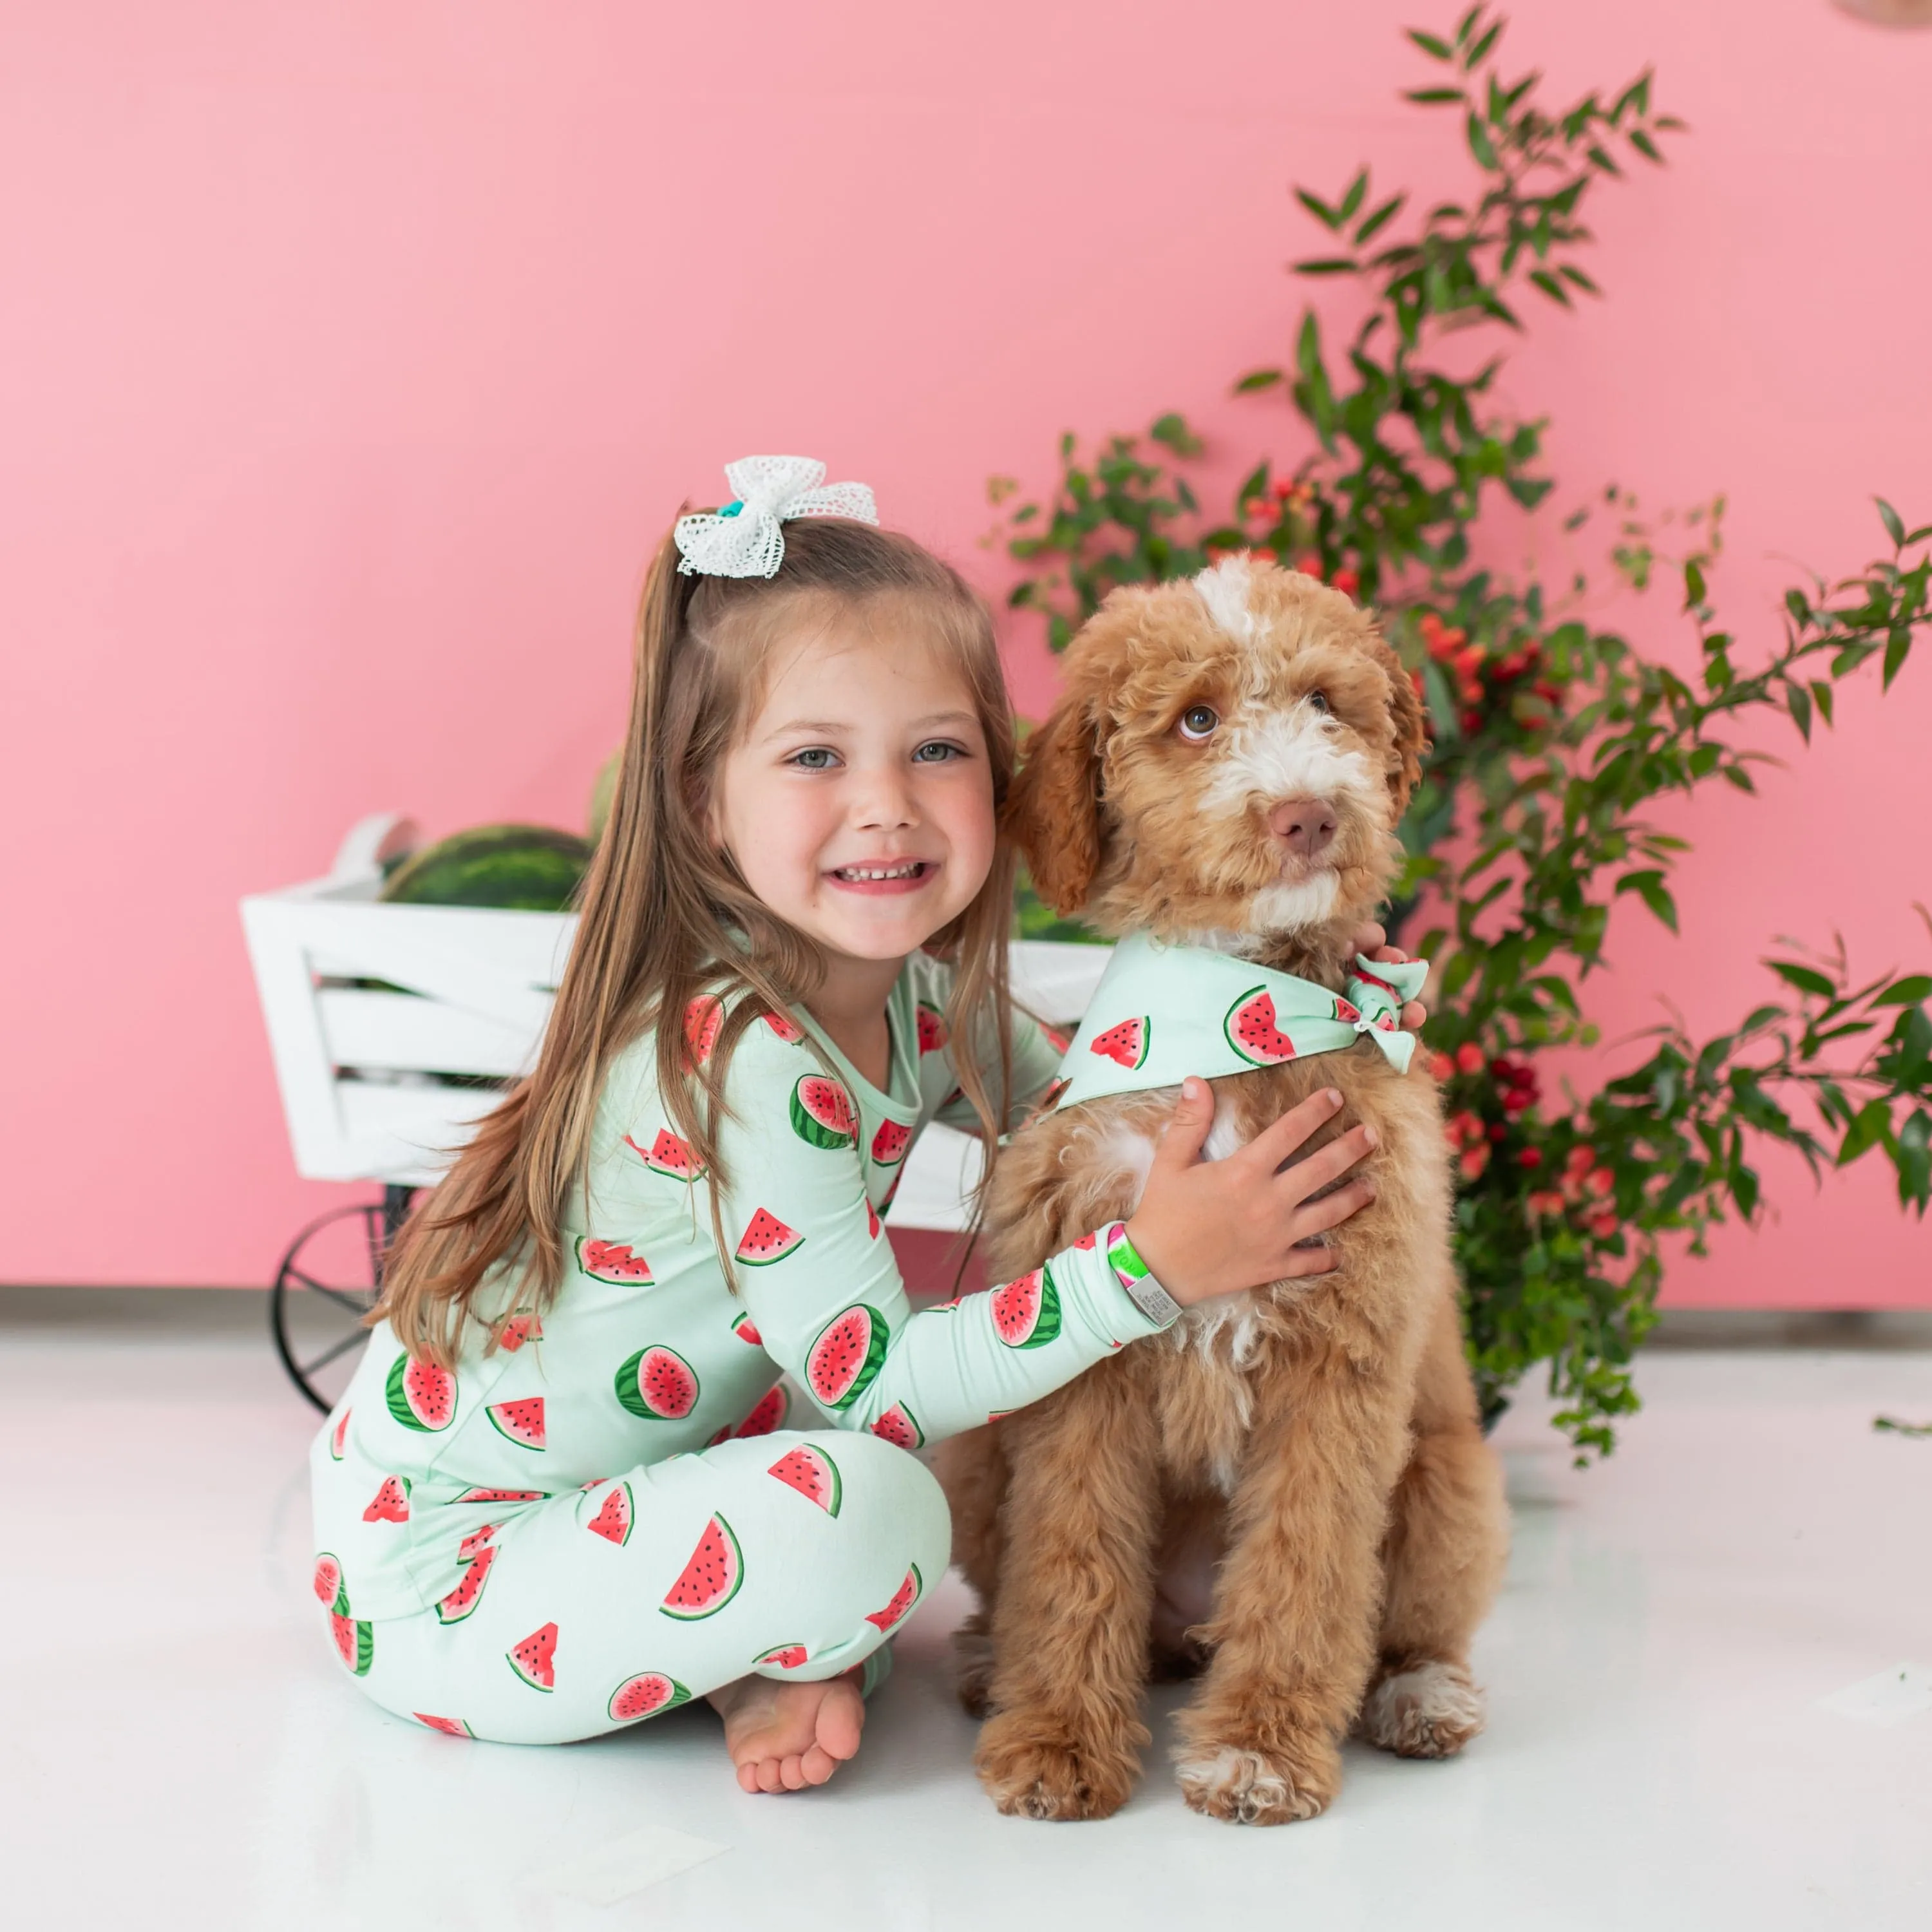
744, 538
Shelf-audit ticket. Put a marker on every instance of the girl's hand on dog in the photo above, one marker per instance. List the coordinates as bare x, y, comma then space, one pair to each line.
1372, 942
1212, 1227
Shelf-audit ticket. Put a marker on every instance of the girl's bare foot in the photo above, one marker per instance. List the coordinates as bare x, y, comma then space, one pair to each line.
783, 1737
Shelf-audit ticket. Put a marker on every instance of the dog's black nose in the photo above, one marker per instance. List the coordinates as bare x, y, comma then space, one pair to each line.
1304, 825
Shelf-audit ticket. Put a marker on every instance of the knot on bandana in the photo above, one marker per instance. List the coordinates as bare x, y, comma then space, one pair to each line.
1161, 1013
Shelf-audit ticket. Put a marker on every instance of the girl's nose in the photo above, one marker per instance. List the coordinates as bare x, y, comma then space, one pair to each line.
884, 803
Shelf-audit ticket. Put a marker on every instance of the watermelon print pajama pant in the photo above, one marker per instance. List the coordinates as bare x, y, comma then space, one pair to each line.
792, 1556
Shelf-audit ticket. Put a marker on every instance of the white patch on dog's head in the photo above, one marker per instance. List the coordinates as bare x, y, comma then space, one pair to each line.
1224, 589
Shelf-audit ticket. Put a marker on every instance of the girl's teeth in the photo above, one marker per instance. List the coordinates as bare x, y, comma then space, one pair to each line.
875, 872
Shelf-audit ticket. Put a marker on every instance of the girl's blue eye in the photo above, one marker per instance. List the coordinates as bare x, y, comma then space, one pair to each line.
936, 753
813, 758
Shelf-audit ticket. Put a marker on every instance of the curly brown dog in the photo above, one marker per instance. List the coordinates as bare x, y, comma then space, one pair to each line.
1226, 767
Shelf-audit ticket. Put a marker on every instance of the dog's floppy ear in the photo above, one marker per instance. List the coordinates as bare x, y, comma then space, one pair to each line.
1053, 812
1412, 729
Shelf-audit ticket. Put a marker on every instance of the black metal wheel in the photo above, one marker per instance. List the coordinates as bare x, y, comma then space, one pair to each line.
328, 1281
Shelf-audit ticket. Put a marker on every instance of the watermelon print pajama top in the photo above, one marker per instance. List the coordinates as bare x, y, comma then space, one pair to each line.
623, 1506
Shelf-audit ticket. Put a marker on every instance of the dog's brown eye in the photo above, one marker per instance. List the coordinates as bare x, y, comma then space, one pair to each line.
1319, 699
1198, 722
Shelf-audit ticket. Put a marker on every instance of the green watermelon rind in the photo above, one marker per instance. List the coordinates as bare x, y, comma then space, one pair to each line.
678, 1695
711, 1609
816, 1455
807, 1125
1234, 1014
497, 1423
512, 867
630, 1515
365, 1643
1046, 1320
524, 1676
647, 1279
476, 1573
337, 1605
396, 1393
775, 1655
688, 1174
1145, 1022
876, 1340
917, 1584
904, 1411
778, 1254
627, 1382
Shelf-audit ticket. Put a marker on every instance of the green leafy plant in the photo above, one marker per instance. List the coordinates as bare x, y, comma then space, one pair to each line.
1551, 737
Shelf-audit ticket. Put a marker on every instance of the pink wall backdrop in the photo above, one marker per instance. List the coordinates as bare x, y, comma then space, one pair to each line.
352, 357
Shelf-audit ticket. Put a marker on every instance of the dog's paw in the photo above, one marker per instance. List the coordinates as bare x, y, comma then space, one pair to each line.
1432, 1711
973, 1671
1245, 1786
1029, 1773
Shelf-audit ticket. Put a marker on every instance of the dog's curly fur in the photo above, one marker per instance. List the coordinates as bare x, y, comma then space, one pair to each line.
1316, 1442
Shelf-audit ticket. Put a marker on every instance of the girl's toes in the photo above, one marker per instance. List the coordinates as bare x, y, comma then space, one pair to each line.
841, 1718
818, 1765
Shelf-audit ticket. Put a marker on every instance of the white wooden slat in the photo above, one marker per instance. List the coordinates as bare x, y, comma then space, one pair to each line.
397, 1030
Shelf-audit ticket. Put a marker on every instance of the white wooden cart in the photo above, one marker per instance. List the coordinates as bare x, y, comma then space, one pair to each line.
385, 1082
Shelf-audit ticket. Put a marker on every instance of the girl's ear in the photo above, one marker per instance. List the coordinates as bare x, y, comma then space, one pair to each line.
1053, 812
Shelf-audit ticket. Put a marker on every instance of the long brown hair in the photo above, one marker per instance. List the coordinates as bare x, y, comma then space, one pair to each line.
657, 904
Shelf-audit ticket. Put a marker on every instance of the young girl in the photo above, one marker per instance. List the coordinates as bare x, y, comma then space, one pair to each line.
557, 1497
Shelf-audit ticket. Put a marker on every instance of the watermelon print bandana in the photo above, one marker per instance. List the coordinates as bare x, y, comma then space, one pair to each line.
1162, 1012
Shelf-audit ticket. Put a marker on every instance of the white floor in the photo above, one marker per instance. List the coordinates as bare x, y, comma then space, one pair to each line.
178, 1749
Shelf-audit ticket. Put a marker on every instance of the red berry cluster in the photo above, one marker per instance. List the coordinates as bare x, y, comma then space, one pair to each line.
1450, 645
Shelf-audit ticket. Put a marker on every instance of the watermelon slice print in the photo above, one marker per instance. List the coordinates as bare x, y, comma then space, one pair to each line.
355, 1642
535, 1659
743, 1327
711, 1578
521, 1422
770, 1414
1126, 1044
611, 1261
669, 1156
1057, 1040
504, 1496
784, 1656
1086, 1242
515, 1330
327, 1584
890, 1143
767, 1239
1344, 1010
1251, 1032
339, 1436
885, 1206
932, 1034
474, 1542
900, 1427
787, 1028
1026, 1312
822, 1113
848, 1353
645, 1695
657, 1384
392, 1501
613, 1521
703, 1019
453, 1727
874, 1227
813, 1474
421, 1395
468, 1594
906, 1595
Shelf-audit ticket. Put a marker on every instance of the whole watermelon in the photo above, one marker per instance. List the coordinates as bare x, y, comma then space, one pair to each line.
513, 868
